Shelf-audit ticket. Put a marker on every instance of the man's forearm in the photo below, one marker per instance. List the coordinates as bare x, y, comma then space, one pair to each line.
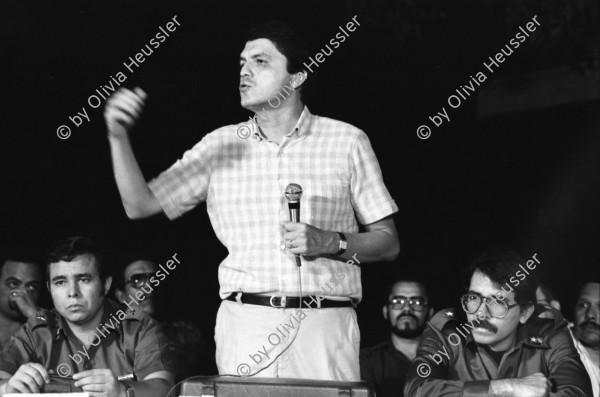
373, 246
138, 200
378, 243
500, 388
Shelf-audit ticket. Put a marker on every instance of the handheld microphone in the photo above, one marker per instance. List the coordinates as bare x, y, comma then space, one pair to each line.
293, 193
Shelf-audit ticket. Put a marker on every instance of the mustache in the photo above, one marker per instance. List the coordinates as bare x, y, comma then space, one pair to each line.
588, 322
407, 315
485, 324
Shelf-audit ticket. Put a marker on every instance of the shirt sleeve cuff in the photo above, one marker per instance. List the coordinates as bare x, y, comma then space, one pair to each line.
378, 212
478, 388
164, 199
8, 369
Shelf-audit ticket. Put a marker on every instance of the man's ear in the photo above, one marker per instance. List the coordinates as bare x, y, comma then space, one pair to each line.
431, 313
385, 312
120, 295
526, 313
48, 286
298, 79
107, 284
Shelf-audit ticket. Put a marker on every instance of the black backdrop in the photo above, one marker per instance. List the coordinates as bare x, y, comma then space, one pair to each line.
527, 178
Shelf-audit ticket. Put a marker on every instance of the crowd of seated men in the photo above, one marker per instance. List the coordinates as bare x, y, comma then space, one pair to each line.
506, 338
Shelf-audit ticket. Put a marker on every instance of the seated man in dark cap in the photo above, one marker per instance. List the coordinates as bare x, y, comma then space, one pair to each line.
507, 348
86, 338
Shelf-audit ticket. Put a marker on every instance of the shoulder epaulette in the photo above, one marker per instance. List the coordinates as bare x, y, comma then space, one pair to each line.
443, 318
43, 317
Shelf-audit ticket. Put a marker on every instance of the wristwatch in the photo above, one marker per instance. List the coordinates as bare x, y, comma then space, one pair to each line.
128, 389
343, 244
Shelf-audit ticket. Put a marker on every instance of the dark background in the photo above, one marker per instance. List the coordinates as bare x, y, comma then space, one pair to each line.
527, 177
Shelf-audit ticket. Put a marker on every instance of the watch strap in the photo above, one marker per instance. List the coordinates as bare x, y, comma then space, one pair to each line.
128, 389
343, 244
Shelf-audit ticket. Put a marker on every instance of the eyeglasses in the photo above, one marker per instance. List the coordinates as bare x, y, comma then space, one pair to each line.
497, 308
138, 280
416, 303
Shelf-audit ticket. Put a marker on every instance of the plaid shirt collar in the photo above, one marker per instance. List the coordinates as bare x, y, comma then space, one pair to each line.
301, 129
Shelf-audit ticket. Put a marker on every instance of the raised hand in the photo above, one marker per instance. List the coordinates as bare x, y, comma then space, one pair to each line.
122, 111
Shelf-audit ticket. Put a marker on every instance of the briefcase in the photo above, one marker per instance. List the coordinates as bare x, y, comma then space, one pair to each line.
231, 386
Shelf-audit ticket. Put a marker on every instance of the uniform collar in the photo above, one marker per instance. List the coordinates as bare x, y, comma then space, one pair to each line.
110, 308
532, 333
302, 127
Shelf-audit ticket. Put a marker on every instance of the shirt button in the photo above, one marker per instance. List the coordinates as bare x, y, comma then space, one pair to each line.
283, 247
88, 365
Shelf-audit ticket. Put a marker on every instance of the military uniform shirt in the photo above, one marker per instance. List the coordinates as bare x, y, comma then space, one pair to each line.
127, 346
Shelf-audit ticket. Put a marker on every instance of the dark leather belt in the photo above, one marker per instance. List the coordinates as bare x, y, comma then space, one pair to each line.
284, 302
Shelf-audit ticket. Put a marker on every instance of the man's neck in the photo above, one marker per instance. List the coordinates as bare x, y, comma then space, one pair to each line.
594, 353
276, 123
83, 332
407, 346
504, 345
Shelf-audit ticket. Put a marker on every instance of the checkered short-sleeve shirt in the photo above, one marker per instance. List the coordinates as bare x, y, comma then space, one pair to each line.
243, 176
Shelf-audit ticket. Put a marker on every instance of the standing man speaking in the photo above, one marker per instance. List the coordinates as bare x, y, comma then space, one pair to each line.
243, 178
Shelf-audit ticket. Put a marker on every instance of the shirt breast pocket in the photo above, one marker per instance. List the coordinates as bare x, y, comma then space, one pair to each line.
329, 203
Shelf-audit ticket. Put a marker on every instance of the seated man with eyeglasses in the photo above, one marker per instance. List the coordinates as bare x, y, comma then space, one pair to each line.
505, 348
406, 310
134, 289
139, 290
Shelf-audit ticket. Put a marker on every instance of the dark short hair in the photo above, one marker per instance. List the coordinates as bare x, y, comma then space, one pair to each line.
408, 280
500, 264
19, 253
129, 256
73, 247
584, 278
286, 40
547, 290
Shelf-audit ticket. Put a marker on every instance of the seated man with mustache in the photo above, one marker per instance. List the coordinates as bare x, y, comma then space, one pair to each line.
586, 330
505, 349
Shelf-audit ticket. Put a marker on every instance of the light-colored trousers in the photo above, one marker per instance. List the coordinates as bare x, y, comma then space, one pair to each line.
309, 343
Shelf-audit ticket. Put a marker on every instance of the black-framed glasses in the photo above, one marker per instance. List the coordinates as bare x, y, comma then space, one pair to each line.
417, 303
497, 308
138, 280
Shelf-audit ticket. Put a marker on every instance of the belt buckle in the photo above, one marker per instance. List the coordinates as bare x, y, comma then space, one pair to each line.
282, 301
